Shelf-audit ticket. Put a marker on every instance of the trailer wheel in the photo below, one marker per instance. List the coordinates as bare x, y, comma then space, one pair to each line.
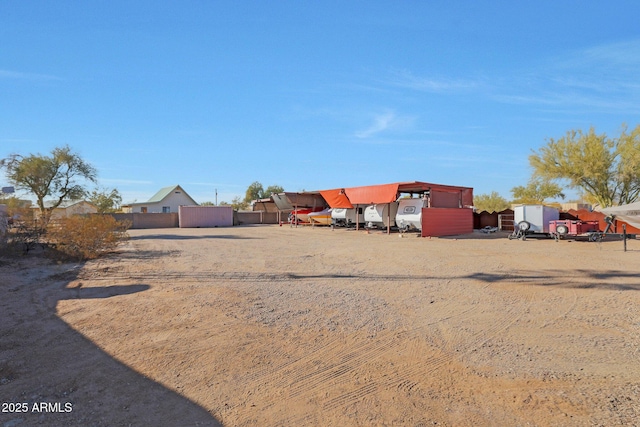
562, 230
524, 225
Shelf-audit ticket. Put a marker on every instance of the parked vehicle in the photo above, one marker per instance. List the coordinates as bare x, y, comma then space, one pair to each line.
409, 215
532, 220
341, 217
383, 215
301, 215
322, 218
562, 229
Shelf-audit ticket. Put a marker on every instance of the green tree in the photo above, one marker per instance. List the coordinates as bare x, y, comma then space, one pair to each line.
272, 189
59, 176
106, 201
606, 170
237, 203
255, 191
536, 192
493, 202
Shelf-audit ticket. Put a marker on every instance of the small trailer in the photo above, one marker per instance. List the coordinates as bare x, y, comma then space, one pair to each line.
598, 236
409, 215
562, 229
344, 217
381, 215
532, 220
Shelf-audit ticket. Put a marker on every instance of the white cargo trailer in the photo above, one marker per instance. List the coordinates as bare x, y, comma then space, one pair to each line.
343, 217
531, 219
381, 215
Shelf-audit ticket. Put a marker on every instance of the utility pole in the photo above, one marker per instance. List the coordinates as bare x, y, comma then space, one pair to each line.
216, 197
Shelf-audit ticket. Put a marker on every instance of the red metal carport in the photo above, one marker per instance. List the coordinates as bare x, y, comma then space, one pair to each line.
441, 196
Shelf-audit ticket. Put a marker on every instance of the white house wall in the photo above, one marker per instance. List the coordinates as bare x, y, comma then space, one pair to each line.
173, 201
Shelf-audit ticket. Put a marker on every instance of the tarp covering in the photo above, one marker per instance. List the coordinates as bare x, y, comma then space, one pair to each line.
451, 196
372, 194
336, 198
628, 213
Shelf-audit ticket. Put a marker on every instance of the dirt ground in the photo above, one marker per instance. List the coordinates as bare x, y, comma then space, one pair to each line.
281, 326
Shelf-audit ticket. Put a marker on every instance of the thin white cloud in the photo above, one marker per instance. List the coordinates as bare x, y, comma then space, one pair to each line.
20, 75
125, 181
384, 122
214, 184
612, 55
599, 78
408, 80
381, 122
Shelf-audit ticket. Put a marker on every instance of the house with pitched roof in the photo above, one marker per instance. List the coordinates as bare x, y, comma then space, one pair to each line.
166, 200
67, 208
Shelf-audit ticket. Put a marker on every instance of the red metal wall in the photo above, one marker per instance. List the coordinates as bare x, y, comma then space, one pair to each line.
441, 199
205, 216
446, 222
586, 215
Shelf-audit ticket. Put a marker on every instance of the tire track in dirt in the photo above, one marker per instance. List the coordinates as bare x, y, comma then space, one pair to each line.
301, 384
346, 362
408, 378
301, 377
350, 397
571, 307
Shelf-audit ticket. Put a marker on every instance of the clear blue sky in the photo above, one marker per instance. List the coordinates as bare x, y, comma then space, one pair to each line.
312, 95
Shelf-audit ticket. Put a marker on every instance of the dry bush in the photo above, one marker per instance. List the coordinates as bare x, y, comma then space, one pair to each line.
87, 237
21, 237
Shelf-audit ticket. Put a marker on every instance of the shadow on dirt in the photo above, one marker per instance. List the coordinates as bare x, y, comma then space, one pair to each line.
70, 380
178, 237
479, 235
576, 279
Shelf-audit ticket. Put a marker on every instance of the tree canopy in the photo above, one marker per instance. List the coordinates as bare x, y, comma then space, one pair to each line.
536, 192
492, 202
606, 170
272, 189
236, 203
256, 191
59, 177
106, 201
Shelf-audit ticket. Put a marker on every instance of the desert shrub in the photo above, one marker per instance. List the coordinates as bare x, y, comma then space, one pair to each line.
86, 237
21, 237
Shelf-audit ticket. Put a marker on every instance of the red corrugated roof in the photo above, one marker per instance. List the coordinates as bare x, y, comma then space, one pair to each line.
387, 193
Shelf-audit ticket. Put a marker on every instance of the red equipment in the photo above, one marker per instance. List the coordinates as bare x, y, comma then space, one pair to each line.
572, 228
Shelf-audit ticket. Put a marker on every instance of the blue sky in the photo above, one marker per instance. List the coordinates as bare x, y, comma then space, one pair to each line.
312, 95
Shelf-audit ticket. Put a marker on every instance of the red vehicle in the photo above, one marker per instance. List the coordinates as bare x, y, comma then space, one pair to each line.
560, 229
302, 215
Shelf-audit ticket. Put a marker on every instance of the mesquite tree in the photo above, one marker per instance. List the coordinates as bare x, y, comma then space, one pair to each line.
58, 177
606, 169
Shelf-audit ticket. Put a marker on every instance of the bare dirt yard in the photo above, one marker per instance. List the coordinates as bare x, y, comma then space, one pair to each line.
280, 326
